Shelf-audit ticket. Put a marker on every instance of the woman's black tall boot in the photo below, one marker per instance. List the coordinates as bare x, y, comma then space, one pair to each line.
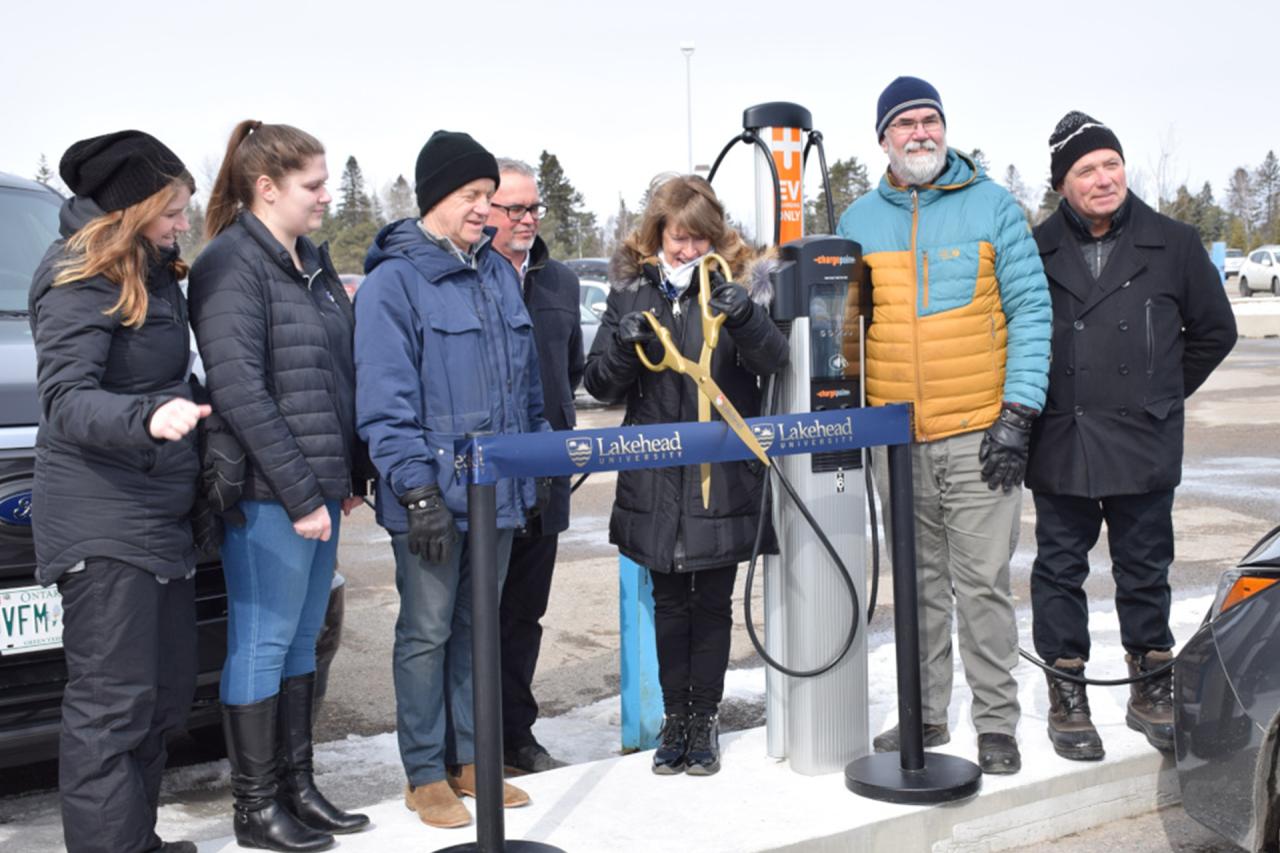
297, 791
260, 821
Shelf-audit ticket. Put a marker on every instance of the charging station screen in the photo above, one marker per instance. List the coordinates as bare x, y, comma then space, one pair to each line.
833, 331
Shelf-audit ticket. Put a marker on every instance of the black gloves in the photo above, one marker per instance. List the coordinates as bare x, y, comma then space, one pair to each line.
222, 468
431, 528
733, 301
633, 329
1003, 453
542, 488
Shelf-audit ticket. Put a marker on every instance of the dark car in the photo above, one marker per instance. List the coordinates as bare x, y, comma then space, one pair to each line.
596, 269
32, 670
1227, 705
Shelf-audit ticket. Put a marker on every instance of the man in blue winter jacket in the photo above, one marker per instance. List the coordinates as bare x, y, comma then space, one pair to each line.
444, 347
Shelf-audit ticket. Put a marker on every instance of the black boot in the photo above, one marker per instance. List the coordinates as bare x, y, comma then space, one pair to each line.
668, 758
1071, 729
297, 788
1150, 708
703, 756
260, 821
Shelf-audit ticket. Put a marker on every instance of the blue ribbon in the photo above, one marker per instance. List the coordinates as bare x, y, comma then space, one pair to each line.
489, 458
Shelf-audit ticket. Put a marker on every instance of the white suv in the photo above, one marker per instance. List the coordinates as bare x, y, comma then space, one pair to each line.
1261, 271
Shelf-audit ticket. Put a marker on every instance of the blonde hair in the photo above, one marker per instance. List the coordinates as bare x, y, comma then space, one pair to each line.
688, 202
113, 247
255, 149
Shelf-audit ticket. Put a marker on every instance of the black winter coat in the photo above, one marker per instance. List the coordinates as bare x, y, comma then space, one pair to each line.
658, 519
551, 293
103, 486
277, 347
1128, 349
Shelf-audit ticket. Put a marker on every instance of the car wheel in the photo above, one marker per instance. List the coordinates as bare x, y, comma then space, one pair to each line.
1244, 287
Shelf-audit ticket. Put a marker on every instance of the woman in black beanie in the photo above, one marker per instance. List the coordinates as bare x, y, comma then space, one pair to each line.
115, 481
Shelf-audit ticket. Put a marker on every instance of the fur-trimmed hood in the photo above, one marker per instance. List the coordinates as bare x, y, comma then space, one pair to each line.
628, 272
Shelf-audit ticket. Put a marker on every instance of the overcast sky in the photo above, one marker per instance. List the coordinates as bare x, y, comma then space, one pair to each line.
602, 85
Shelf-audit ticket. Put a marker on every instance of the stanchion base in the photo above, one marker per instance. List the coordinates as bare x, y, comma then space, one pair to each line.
944, 778
508, 846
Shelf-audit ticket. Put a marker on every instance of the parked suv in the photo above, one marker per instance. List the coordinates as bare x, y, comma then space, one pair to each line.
1261, 271
32, 669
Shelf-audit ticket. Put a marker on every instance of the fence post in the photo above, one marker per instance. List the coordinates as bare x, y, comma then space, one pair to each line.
641, 692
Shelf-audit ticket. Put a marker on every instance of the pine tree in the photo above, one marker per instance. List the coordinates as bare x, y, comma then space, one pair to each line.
621, 224
1013, 183
979, 157
849, 182
401, 203
43, 173
354, 206
1049, 202
567, 228
1242, 204
1210, 219
1266, 181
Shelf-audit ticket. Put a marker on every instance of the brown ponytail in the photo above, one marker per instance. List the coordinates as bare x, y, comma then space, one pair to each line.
255, 149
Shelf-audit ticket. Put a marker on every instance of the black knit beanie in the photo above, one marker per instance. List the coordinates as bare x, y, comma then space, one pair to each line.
450, 160
119, 169
1075, 136
905, 93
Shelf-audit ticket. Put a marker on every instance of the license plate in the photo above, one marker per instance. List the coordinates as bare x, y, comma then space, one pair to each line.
30, 619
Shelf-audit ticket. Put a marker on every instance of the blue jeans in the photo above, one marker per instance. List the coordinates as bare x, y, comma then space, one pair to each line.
277, 592
435, 721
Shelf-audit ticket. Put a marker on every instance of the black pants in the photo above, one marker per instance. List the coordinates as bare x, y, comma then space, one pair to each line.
130, 645
693, 622
524, 601
1140, 534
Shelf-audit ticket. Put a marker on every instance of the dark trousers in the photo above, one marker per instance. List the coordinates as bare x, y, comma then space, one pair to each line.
693, 621
524, 601
1140, 534
130, 645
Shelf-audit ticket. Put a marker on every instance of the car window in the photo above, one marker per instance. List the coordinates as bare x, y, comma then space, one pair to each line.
1235, 253
28, 224
588, 316
1266, 259
1256, 258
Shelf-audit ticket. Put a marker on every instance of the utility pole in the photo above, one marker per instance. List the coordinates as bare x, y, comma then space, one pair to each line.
687, 49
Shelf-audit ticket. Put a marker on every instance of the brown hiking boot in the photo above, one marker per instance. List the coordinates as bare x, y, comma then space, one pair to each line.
436, 805
1071, 728
464, 782
1150, 709
935, 734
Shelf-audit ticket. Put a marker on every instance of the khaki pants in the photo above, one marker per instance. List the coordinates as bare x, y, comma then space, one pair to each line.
965, 535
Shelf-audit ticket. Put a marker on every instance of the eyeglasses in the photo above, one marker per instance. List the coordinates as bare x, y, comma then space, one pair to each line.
516, 212
904, 126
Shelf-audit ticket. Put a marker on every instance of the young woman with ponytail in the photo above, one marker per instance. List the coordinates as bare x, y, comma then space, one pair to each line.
115, 481
274, 326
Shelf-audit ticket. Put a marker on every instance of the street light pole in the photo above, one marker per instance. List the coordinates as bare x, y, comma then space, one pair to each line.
687, 49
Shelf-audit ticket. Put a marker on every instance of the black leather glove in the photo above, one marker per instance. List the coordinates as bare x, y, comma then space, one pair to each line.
1003, 453
432, 531
222, 468
733, 301
634, 329
542, 489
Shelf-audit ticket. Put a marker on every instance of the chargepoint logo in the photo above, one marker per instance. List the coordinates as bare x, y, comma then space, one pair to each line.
835, 260
814, 433
619, 448
579, 450
764, 434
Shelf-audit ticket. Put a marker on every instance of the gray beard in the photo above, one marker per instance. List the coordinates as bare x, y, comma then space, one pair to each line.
919, 169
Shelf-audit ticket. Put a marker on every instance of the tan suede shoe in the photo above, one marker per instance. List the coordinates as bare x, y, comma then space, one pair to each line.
437, 805
464, 782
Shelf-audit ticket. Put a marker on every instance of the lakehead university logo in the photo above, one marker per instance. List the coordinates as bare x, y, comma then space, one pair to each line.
764, 434
579, 450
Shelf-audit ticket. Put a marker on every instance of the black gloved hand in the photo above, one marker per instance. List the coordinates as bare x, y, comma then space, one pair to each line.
222, 468
733, 301
432, 531
542, 499
634, 329
1003, 453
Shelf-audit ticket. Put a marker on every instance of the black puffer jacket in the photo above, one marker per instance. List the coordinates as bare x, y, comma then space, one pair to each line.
103, 486
277, 352
658, 519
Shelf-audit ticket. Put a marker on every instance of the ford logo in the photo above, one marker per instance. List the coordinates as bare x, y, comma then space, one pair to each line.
15, 510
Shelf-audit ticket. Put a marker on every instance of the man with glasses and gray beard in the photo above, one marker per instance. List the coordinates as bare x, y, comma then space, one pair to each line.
551, 295
960, 329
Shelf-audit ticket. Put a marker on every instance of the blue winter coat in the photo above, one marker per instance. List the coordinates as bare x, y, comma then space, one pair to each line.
441, 350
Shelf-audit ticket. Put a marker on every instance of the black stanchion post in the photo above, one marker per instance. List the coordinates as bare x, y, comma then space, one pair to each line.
482, 547
911, 775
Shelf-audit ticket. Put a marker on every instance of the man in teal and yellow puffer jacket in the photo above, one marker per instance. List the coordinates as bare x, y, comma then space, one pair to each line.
960, 328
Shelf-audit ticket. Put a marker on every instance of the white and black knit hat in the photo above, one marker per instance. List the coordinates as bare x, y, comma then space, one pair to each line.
1075, 136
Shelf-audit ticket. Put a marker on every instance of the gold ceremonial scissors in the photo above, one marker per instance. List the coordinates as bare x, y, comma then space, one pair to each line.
709, 393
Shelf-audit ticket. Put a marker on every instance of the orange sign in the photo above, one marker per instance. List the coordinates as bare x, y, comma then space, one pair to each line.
788, 150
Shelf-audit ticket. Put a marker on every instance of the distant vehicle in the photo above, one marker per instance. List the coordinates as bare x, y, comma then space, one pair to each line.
1226, 709
590, 325
1231, 266
350, 283
594, 295
596, 269
1261, 271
